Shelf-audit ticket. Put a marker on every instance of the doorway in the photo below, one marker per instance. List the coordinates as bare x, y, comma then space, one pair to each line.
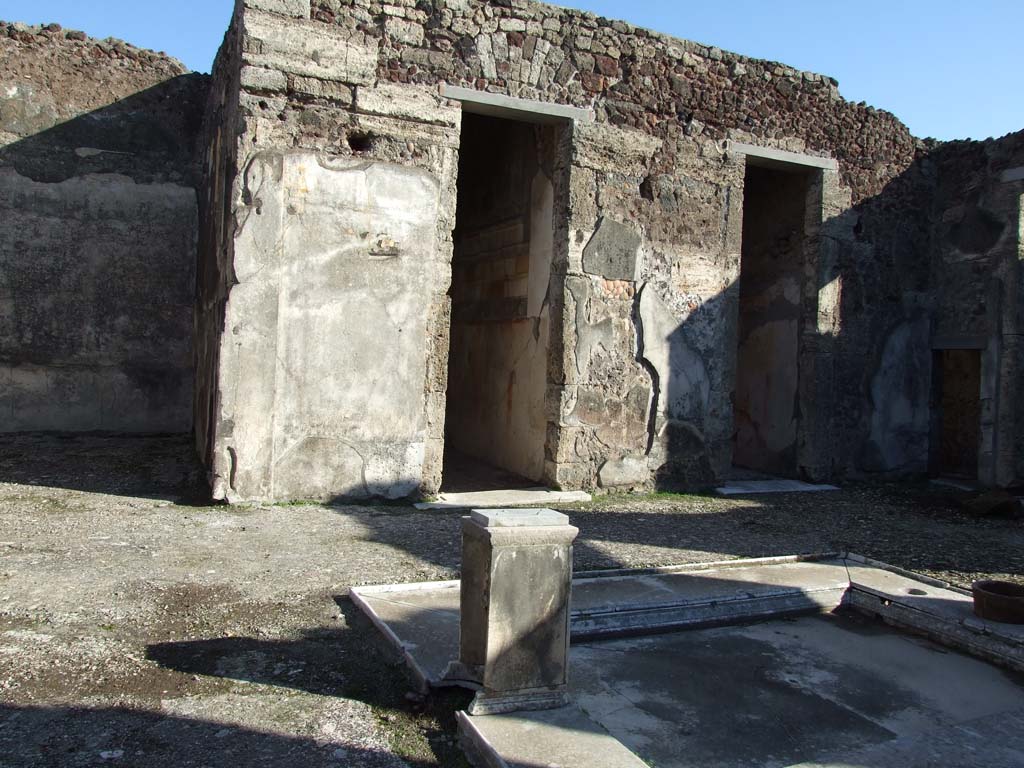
495, 416
956, 425
765, 406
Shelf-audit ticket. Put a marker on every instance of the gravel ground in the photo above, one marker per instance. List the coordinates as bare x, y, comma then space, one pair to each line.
140, 627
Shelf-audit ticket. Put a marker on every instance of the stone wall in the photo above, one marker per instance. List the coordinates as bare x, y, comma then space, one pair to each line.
633, 77
324, 327
976, 280
644, 288
97, 241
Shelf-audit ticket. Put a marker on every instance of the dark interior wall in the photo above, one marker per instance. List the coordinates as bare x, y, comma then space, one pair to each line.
771, 267
97, 234
497, 374
958, 412
1015, 350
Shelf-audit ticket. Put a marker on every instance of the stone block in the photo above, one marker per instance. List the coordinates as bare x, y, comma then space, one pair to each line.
517, 518
620, 151
322, 89
569, 476
307, 48
296, 8
25, 109
407, 102
583, 198
625, 472
612, 251
261, 80
514, 633
403, 31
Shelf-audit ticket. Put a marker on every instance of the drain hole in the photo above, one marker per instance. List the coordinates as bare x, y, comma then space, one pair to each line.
916, 592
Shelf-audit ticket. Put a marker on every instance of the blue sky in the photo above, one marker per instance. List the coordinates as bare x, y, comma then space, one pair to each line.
948, 68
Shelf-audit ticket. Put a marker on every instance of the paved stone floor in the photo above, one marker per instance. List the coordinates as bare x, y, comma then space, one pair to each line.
139, 627
837, 690
831, 691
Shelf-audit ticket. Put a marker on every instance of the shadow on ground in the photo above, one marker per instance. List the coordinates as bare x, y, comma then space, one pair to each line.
349, 663
68, 737
916, 526
159, 467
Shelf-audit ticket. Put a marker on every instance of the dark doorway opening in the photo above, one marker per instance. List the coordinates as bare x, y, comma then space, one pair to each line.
495, 418
956, 426
765, 406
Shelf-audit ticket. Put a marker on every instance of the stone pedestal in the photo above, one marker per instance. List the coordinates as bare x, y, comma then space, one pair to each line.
516, 579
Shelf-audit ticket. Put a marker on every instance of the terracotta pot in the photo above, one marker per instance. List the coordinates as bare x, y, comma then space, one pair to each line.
1001, 601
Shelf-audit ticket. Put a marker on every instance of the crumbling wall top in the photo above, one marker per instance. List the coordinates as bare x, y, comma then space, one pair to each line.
629, 76
60, 74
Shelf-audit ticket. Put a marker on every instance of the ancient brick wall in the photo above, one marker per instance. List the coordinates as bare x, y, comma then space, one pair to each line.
97, 233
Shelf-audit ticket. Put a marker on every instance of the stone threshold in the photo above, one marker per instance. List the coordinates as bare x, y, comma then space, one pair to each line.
776, 485
533, 739
501, 499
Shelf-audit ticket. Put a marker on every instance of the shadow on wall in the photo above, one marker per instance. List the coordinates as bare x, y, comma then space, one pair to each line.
684, 368
931, 262
841, 386
97, 261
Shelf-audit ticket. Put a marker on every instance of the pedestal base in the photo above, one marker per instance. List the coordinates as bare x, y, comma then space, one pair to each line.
526, 701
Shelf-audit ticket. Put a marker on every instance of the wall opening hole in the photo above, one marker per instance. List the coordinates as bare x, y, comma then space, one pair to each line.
359, 141
647, 188
765, 407
495, 418
956, 413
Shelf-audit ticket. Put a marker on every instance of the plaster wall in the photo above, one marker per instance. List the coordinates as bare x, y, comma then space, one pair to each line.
320, 405
96, 288
324, 276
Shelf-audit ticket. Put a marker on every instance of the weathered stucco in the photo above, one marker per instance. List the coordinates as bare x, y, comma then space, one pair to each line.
96, 286
323, 363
